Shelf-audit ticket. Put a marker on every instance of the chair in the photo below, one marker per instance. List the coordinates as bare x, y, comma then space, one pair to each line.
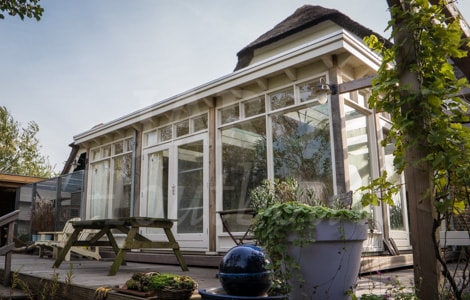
60, 238
230, 216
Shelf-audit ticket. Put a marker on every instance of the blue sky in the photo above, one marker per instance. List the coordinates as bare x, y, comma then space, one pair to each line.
89, 62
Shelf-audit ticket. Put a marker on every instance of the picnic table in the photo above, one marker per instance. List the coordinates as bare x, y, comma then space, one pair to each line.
134, 240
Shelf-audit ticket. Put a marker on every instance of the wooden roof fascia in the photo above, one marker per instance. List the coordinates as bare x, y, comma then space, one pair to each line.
70, 159
303, 18
362, 52
315, 49
14, 181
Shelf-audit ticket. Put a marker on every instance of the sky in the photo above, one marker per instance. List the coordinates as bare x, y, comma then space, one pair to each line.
89, 62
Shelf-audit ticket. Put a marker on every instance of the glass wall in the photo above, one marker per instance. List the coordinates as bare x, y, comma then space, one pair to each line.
190, 188
302, 150
359, 154
243, 160
110, 179
279, 134
48, 204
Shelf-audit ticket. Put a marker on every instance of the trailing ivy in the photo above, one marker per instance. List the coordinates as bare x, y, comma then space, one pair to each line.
430, 115
284, 208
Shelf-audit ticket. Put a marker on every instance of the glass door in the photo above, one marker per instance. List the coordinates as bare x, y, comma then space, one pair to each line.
174, 185
397, 214
189, 189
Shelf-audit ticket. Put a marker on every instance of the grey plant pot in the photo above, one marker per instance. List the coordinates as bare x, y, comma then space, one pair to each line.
330, 266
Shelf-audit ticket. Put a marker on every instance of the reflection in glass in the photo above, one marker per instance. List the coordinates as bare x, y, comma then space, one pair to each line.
157, 185
229, 114
308, 90
122, 177
358, 151
301, 148
200, 123
182, 128
281, 99
165, 133
190, 188
254, 107
244, 164
99, 188
396, 212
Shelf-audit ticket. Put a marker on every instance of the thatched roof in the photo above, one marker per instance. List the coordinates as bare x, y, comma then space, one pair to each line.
303, 18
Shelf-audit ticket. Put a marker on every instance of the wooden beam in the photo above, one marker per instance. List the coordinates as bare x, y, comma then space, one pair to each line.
344, 59
210, 102
262, 83
328, 61
355, 85
340, 150
361, 71
238, 93
291, 73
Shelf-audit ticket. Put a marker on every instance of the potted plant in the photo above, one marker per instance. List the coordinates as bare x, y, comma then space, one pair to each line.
314, 247
165, 286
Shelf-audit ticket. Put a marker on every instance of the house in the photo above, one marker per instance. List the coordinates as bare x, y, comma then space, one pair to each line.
295, 105
9, 184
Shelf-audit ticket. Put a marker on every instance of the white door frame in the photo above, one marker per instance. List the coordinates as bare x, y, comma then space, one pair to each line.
187, 241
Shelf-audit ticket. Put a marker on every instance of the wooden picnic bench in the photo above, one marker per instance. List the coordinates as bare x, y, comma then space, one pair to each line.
7, 223
134, 240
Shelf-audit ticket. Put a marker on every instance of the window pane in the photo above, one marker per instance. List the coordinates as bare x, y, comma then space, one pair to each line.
165, 133
308, 90
244, 165
122, 178
157, 186
182, 128
301, 148
151, 138
190, 188
254, 107
118, 148
358, 151
282, 98
397, 212
107, 151
99, 186
95, 154
200, 123
230, 114
129, 145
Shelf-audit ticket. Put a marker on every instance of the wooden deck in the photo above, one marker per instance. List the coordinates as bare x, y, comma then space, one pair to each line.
89, 275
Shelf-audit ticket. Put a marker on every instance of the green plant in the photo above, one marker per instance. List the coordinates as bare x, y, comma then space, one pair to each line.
172, 281
17, 282
154, 281
418, 87
49, 288
395, 289
288, 208
68, 279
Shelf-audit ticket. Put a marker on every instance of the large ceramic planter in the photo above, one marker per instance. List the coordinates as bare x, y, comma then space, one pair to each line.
330, 266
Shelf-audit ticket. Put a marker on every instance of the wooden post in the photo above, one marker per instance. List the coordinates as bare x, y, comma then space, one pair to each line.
418, 175
339, 130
